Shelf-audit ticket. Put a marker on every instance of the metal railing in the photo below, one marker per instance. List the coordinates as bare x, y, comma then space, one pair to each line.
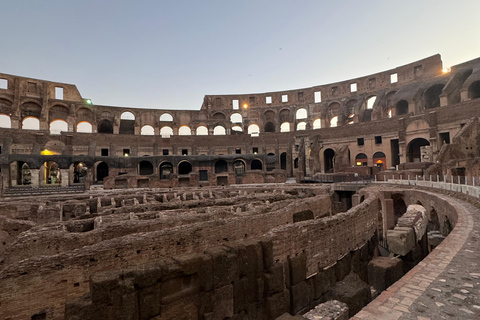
337, 178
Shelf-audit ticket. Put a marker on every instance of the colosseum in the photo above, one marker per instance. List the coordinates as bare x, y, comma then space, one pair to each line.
357, 199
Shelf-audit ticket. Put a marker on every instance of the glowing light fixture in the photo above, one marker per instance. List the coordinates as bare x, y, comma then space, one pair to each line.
47, 152
446, 70
245, 106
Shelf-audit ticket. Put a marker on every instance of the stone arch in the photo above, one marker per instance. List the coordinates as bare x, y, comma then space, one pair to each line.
58, 126
414, 151
166, 132
474, 90
399, 207
329, 160
166, 117
127, 115
239, 167
221, 166
102, 171
361, 159
105, 126
184, 167
370, 102
84, 127
31, 123
301, 114
145, 168
237, 129
147, 130
236, 118
380, 160
256, 164
21, 173
284, 115
219, 131
80, 172
269, 127
202, 131
84, 114
285, 127
30, 109
184, 131
432, 96
317, 123
166, 171
283, 161
253, 130
301, 126
58, 112
127, 123
401, 108
5, 121
333, 111
334, 122
269, 115
219, 116
50, 173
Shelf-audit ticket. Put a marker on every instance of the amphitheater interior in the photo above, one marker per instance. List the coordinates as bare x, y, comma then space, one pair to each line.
357, 199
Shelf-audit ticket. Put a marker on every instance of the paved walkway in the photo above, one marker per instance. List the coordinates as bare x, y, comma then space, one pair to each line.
445, 285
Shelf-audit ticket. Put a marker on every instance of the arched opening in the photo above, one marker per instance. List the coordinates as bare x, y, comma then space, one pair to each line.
379, 160
166, 171
105, 126
474, 90
202, 131
51, 173
269, 127
401, 107
284, 115
301, 126
145, 168
31, 123
102, 171
256, 165
219, 131
166, 132
239, 168
254, 130
301, 113
237, 129
127, 123
350, 118
414, 149
221, 166
399, 207
80, 172
370, 102
361, 159
23, 175
317, 124
433, 222
295, 163
283, 161
236, 118
184, 167
84, 127
219, 116
334, 122
184, 131
432, 96
58, 126
147, 130
285, 127
5, 121
166, 117
328, 159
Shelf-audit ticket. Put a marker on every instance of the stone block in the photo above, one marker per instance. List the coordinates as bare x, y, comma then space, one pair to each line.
401, 240
275, 279
277, 304
321, 284
298, 268
330, 273
149, 302
223, 302
331, 310
267, 253
299, 297
240, 302
352, 291
225, 267
186, 308
176, 288
384, 271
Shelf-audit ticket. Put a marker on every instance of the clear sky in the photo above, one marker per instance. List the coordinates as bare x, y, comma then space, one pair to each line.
169, 54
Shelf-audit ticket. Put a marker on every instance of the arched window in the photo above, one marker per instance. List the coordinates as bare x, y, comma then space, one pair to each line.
166, 117
105, 126
219, 131
147, 130
237, 129
283, 161
334, 121
269, 127
184, 167
371, 102
52, 172
166, 170
432, 96
474, 90
236, 118
301, 126
221, 166
256, 165
254, 130
85, 127
350, 118
80, 172
166, 132
239, 168
5, 121
145, 168
58, 126
184, 131
31, 123
317, 123
414, 149
328, 156
401, 107
285, 127
102, 171
202, 131
361, 159
127, 115
301, 113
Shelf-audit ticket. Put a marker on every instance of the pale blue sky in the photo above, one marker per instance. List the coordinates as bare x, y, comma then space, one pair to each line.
169, 54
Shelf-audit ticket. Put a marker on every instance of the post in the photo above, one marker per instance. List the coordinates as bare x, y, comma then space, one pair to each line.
458, 179
430, 178
375, 178
438, 178
473, 181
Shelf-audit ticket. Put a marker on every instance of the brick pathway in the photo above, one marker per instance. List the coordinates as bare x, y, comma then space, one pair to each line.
445, 285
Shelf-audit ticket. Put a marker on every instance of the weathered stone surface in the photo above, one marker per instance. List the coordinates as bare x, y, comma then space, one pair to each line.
321, 284
401, 240
343, 267
416, 218
330, 310
223, 306
299, 297
298, 268
275, 279
384, 271
352, 291
277, 304
225, 267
